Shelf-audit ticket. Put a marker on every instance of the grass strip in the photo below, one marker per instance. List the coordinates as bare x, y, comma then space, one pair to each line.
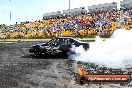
33, 40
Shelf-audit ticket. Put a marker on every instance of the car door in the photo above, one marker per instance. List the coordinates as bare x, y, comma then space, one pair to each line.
55, 45
52, 45
64, 45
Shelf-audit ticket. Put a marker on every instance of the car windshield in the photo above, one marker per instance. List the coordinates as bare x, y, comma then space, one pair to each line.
49, 41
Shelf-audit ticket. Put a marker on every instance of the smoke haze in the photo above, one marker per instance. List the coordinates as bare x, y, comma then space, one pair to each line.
113, 52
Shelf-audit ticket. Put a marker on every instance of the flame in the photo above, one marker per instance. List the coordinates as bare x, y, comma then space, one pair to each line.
81, 71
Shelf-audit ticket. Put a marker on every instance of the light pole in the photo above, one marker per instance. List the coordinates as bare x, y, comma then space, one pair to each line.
10, 12
69, 4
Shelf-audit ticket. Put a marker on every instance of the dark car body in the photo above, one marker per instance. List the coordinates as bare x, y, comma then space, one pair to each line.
57, 45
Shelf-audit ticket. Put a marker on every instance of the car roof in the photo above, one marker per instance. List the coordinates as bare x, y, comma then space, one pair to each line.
76, 39
67, 37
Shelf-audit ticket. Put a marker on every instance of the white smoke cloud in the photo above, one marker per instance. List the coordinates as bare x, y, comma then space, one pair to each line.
114, 52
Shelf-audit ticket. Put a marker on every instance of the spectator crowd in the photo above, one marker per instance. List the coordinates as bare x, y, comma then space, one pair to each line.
96, 23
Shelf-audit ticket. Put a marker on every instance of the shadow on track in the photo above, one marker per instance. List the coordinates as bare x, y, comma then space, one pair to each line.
45, 56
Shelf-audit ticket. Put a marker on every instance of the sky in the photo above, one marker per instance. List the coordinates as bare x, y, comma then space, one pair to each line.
31, 10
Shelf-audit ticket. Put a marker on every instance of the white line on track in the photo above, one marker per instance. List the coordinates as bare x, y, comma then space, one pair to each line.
7, 42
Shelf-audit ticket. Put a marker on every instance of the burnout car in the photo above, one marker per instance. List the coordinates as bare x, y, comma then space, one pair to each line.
57, 45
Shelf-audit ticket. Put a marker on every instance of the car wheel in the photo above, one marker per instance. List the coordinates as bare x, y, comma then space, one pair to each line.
37, 52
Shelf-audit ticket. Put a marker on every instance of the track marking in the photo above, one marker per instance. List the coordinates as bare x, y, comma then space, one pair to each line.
7, 42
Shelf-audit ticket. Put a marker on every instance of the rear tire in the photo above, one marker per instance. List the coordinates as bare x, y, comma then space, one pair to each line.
37, 52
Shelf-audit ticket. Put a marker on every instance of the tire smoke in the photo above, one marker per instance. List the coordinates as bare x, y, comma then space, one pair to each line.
114, 52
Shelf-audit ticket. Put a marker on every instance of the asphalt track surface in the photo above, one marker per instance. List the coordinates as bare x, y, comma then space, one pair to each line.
20, 69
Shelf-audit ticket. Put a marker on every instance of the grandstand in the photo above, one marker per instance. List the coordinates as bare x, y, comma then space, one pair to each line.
100, 20
52, 15
103, 7
126, 4
75, 11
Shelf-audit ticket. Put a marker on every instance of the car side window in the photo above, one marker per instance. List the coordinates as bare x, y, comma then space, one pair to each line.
50, 42
63, 42
56, 42
68, 41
